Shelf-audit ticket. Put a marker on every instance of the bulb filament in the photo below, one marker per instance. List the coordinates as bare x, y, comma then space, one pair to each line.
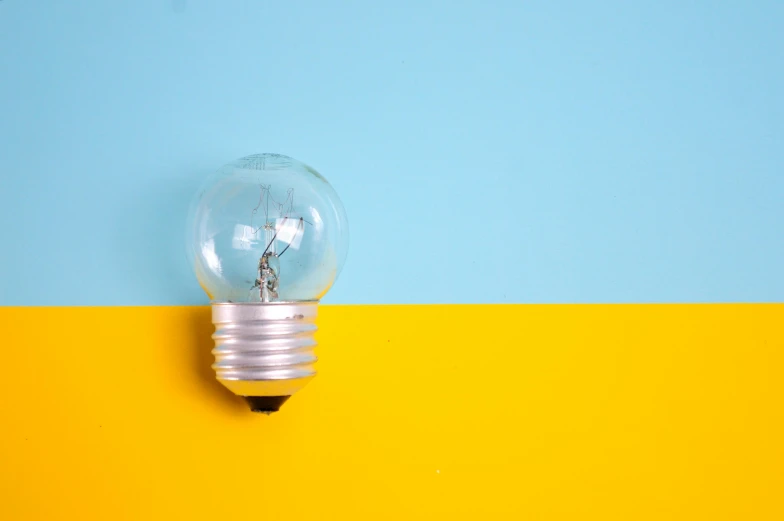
268, 271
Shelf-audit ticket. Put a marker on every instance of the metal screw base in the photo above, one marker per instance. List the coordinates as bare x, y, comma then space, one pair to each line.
264, 350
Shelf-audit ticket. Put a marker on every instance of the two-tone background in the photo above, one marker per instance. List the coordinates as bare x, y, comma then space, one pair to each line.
559, 302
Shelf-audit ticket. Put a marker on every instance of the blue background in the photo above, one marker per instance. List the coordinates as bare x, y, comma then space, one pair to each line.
520, 151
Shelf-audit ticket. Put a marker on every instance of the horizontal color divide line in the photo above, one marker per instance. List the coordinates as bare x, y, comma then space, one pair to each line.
526, 305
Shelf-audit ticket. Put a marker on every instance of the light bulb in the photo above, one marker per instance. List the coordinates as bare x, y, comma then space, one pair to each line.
267, 238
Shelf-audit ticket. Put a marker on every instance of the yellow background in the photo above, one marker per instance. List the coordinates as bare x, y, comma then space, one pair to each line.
419, 412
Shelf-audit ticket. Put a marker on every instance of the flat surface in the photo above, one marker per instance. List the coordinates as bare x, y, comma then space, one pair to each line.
486, 152
419, 412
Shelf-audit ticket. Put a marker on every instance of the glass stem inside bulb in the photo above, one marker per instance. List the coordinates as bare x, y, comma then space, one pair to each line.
267, 280
269, 266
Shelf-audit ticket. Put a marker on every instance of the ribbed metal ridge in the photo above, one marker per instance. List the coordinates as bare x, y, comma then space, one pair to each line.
264, 348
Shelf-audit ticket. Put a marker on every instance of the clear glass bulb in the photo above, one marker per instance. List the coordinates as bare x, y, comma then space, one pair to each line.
267, 228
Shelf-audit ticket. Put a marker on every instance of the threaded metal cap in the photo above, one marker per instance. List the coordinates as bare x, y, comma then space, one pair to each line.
264, 351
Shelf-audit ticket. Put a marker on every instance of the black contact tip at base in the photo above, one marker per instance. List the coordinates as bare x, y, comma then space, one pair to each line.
266, 404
